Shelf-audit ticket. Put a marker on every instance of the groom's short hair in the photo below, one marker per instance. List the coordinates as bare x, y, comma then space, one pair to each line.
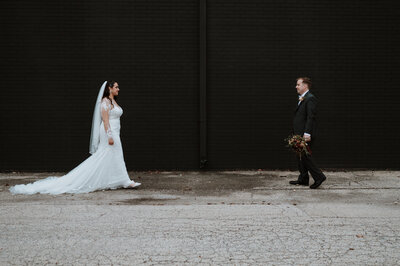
306, 80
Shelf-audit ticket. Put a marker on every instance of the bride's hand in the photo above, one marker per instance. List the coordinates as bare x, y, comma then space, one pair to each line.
110, 141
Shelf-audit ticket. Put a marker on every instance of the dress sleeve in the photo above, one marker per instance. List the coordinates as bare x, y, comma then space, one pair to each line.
105, 111
105, 105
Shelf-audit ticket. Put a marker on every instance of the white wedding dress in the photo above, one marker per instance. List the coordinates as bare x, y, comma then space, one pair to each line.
104, 169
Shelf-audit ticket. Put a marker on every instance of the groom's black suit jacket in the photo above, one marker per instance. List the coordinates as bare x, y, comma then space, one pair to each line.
304, 116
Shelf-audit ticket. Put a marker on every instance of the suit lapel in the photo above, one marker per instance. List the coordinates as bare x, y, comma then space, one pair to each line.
305, 97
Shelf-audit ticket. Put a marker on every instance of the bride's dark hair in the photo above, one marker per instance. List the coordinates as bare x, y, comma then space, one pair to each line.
106, 93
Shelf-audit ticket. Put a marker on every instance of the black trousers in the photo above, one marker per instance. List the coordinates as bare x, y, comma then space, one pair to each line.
307, 165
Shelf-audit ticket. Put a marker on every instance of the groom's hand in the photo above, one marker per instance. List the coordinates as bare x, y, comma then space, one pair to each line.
307, 137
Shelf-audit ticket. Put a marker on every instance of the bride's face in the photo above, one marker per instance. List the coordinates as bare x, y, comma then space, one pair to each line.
114, 90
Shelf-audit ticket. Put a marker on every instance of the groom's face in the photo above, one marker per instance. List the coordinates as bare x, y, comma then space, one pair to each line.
301, 87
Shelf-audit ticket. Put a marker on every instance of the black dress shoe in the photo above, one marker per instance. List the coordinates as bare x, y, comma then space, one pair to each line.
318, 182
297, 182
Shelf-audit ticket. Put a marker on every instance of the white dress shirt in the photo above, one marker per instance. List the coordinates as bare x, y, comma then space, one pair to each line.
304, 94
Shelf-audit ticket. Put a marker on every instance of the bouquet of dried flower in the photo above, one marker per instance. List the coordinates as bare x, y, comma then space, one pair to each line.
298, 144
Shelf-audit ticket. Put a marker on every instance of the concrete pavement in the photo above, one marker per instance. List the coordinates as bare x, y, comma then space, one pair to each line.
207, 218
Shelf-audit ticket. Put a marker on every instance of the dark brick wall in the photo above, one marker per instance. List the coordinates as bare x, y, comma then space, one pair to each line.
256, 51
55, 56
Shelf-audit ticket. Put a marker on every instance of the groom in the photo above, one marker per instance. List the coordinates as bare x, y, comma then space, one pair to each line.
304, 124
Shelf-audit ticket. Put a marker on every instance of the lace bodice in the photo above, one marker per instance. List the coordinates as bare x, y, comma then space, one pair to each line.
110, 114
114, 111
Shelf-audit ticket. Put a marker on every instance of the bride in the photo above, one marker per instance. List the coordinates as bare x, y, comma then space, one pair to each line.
105, 168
